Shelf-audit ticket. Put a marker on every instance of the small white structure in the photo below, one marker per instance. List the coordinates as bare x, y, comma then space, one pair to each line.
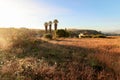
81, 35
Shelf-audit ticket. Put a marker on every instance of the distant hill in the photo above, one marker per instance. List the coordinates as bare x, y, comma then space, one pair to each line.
113, 33
117, 32
84, 31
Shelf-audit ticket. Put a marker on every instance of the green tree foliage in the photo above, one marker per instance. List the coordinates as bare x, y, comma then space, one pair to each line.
62, 33
55, 23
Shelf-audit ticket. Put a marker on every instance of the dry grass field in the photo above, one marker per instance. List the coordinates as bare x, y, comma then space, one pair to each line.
106, 50
24, 56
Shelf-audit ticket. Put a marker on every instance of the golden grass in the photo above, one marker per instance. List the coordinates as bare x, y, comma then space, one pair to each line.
106, 50
32, 58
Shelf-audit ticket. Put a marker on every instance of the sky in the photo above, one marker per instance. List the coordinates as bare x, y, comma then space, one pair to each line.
102, 15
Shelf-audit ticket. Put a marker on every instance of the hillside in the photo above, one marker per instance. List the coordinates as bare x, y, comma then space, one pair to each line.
84, 31
76, 32
113, 33
23, 56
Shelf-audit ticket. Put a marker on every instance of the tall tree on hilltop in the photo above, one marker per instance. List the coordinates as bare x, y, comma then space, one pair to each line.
55, 24
50, 26
46, 27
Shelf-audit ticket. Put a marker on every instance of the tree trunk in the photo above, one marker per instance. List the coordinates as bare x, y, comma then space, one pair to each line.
50, 28
46, 29
55, 27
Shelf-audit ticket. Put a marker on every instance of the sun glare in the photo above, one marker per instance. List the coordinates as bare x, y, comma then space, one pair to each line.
15, 13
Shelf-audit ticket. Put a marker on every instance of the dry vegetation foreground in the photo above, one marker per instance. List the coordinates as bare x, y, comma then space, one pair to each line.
23, 57
105, 50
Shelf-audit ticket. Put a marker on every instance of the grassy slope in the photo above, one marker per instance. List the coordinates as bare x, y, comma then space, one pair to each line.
62, 59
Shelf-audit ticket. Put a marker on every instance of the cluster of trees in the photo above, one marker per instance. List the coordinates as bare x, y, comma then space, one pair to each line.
46, 24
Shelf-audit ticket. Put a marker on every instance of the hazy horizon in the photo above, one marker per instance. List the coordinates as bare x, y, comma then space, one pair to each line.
100, 15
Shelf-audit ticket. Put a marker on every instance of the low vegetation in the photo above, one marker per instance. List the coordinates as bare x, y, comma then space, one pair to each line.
92, 36
48, 36
62, 33
25, 56
76, 32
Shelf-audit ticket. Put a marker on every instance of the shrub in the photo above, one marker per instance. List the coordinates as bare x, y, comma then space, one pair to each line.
48, 36
101, 36
95, 64
73, 34
20, 40
62, 33
98, 36
93, 36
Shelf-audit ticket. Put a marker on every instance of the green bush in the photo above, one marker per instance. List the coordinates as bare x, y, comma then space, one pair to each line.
48, 36
62, 33
98, 36
94, 36
86, 36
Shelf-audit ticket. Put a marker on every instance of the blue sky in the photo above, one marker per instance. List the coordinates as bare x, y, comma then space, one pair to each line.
103, 15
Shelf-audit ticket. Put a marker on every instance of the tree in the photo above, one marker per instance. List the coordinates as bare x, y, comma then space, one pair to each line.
62, 33
55, 24
46, 26
50, 25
